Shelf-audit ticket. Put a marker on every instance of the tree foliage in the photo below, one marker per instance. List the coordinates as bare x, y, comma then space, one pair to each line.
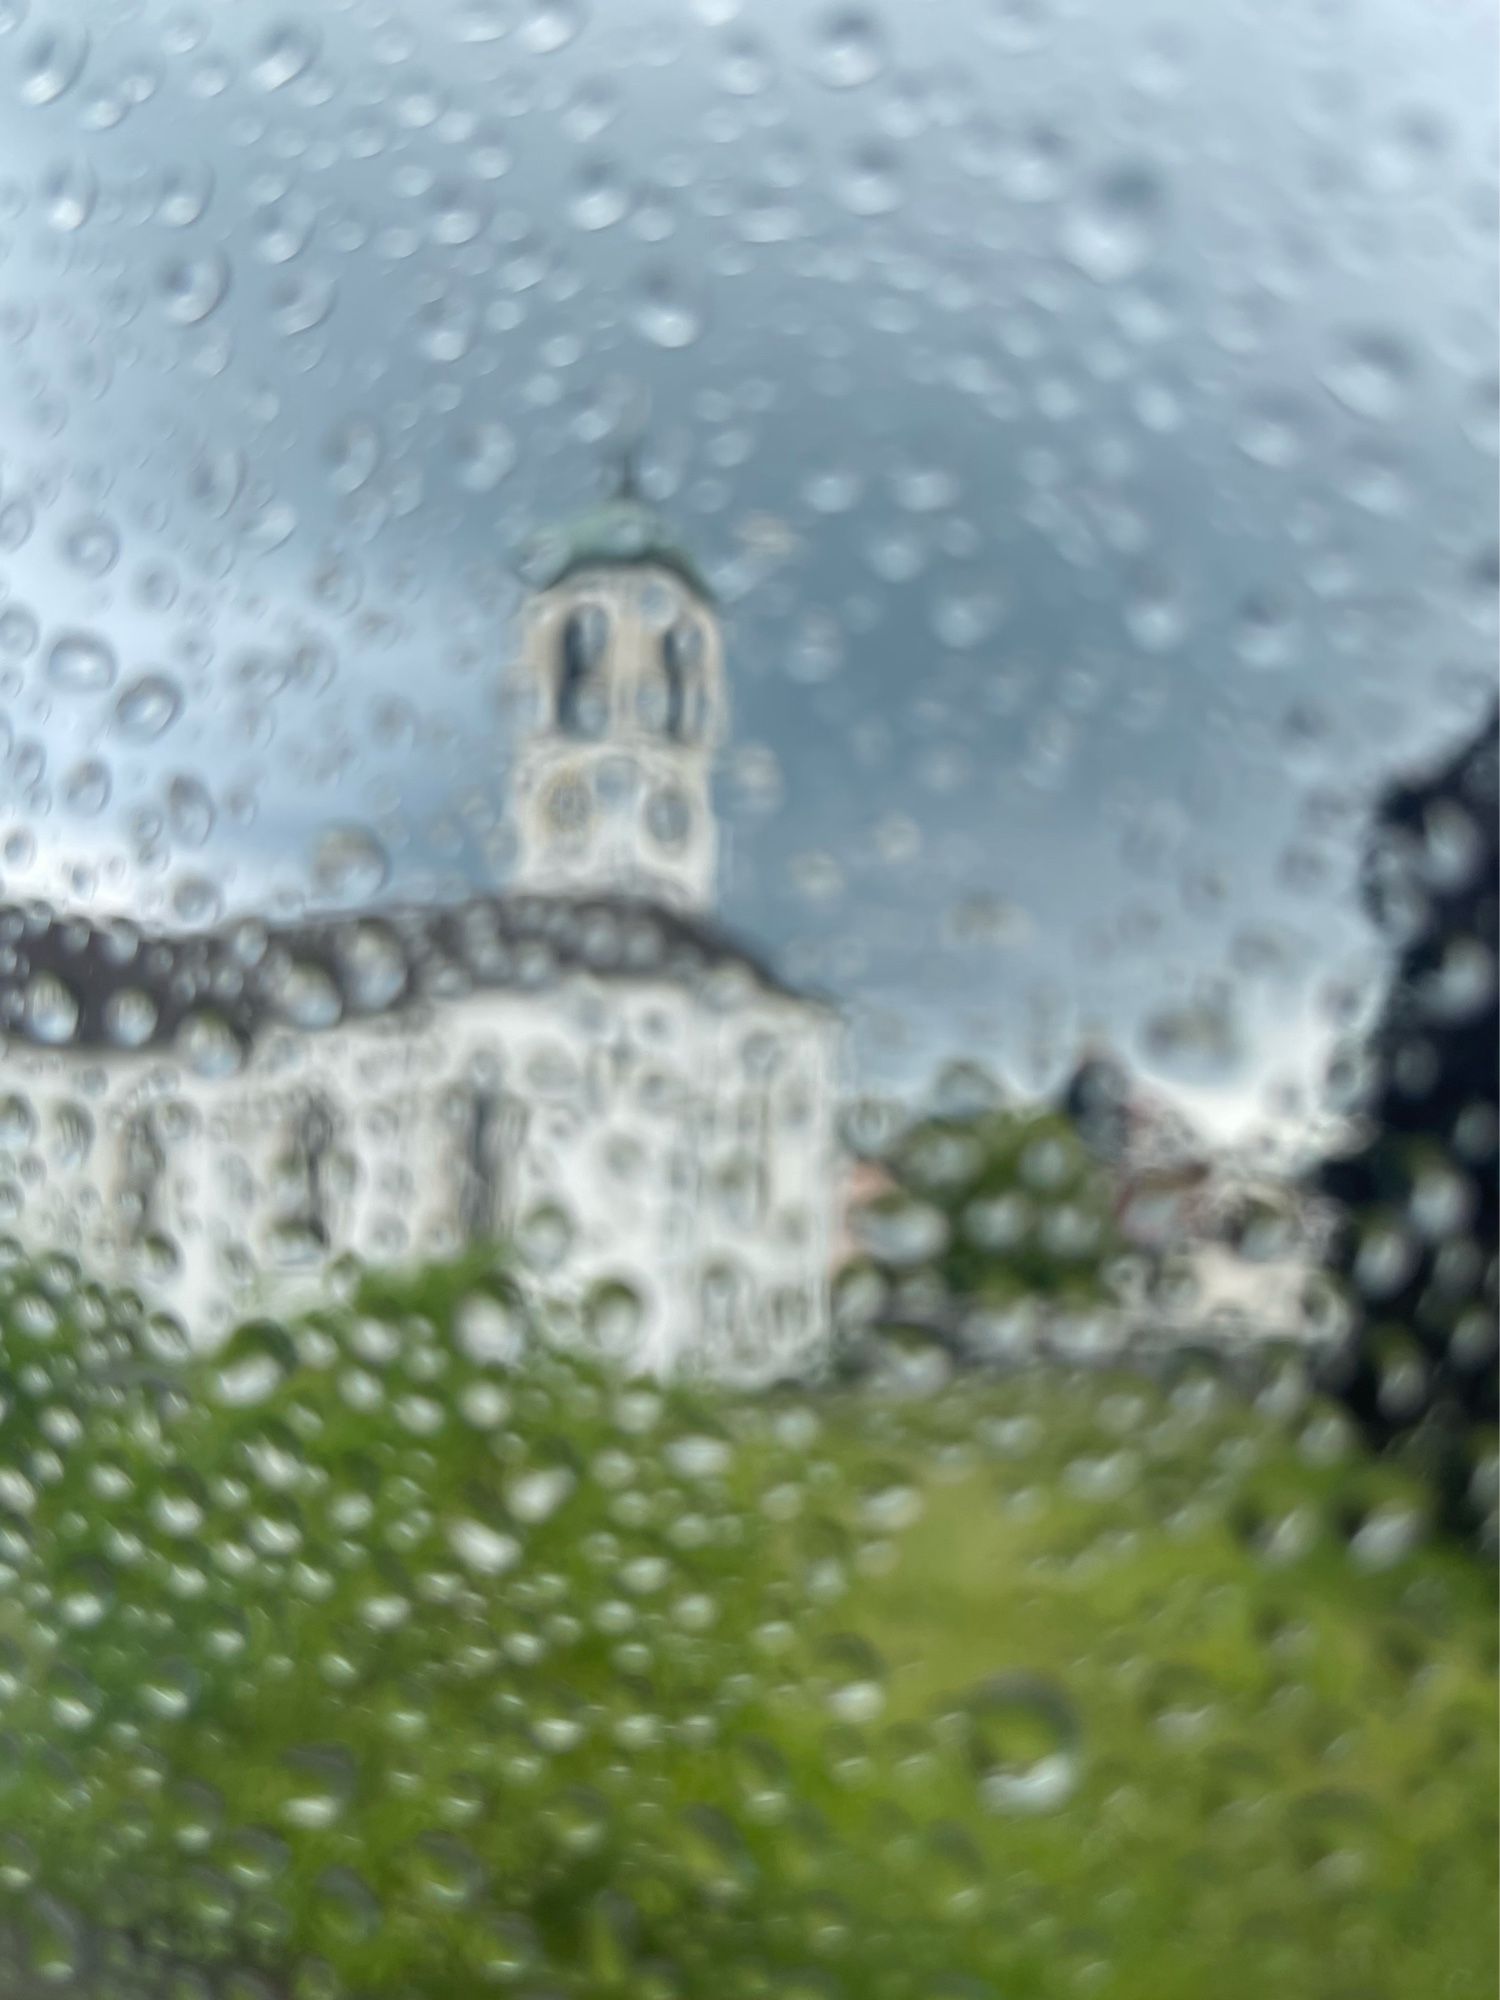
1419, 1188
387, 1656
991, 1207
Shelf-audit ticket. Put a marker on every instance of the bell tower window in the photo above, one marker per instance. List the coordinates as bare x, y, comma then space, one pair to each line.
681, 663
582, 693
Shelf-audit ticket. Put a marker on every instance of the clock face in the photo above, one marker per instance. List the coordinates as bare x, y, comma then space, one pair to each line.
569, 807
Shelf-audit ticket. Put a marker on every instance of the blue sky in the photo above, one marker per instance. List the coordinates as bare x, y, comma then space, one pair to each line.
1086, 411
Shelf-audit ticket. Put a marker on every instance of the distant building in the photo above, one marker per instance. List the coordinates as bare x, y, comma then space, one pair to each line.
585, 1065
1234, 1251
1156, 1164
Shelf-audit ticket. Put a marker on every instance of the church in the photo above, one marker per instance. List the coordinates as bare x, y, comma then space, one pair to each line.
584, 1067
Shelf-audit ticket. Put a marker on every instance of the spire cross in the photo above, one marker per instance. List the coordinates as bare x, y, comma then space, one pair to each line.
632, 435
627, 484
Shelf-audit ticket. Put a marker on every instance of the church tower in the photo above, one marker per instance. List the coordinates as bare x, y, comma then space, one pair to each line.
620, 709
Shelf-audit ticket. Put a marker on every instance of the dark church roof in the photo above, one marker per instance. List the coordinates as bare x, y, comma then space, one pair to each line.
71, 982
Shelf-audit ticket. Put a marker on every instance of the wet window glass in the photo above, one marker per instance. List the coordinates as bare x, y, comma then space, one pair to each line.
748, 999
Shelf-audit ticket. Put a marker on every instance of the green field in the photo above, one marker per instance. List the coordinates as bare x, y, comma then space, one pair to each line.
364, 1661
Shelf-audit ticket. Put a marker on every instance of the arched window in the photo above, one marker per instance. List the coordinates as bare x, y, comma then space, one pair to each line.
682, 673
305, 1223
145, 1164
582, 696
492, 1128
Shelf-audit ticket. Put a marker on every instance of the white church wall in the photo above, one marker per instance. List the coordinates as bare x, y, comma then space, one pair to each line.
661, 1153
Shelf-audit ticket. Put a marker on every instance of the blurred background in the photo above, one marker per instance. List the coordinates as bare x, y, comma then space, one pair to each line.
1081, 420
1086, 416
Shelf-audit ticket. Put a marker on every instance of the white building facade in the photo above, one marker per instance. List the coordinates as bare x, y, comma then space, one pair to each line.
584, 1068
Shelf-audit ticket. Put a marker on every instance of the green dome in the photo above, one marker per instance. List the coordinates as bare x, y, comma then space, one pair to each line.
615, 534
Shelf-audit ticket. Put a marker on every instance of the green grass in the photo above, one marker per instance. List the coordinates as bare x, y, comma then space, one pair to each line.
1285, 1763
1047, 1686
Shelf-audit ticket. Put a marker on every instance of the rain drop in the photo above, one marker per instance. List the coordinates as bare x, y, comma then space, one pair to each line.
849, 49
550, 26
1371, 376
349, 864
284, 55
148, 707
68, 195
1112, 229
51, 1009
192, 287
91, 546
484, 454
52, 64
81, 663
664, 315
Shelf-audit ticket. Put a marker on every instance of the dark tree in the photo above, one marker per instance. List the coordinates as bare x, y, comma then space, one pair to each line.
1418, 1190
1097, 1101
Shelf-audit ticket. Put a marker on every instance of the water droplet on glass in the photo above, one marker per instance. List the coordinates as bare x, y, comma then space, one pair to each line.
1110, 230
17, 519
130, 1018
445, 328
484, 454
19, 632
550, 25
1197, 1042
602, 200
849, 48
68, 195
1370, 374
664, 314
1266, 631
191, 287
485, 1550
81, 663
868, 182
148, 707
183, 195
1156, 612
284, 54
51, 1009
1023, 1740
349, 864
91, 546
299, 304
51, 64
209, 1046
1036, 164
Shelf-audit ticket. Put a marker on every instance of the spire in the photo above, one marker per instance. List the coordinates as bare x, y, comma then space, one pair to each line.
627, 490
630, 443
621, 530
